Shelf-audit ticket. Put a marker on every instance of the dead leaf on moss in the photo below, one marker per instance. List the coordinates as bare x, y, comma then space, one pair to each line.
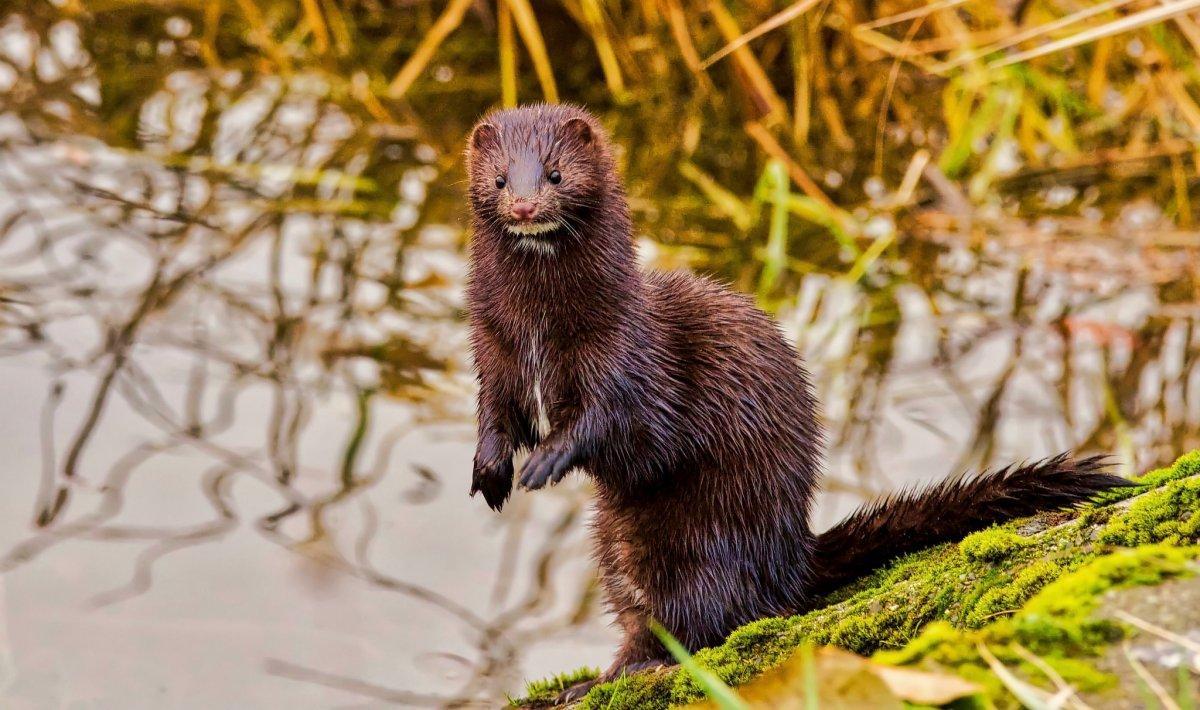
844, 681
922, 687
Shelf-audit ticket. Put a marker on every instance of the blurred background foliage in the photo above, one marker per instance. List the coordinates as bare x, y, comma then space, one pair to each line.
761, 141
871, 108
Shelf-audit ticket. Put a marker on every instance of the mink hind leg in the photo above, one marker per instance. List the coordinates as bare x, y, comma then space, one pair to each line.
639, 645
690, 621
640, 650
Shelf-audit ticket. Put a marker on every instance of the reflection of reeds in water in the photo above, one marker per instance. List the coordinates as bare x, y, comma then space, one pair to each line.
979, 261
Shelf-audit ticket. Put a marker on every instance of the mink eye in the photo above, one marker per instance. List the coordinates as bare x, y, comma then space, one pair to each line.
555, 177
500, 182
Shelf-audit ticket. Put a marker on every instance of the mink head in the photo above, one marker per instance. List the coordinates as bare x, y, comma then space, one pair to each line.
538, 173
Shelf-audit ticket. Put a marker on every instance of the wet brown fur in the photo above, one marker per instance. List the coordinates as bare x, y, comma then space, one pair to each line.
681, 400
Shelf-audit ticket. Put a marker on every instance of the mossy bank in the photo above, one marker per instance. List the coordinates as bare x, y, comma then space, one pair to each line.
1031, 594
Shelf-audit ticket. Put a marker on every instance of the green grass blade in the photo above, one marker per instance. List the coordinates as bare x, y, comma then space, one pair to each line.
775, 258
714, 687
730, 204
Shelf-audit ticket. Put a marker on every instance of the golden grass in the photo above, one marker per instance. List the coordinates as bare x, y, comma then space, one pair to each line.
531, 35
508, 54
952, 100
446, 23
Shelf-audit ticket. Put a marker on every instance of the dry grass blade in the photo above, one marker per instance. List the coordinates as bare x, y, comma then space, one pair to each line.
1055, 677
800, 42
1148, 678
759, 85
909, 15
360, 89
1187, 26
1183, 203
893, 75
446, 23
1158, 631
594, 18
1029, 696
261, 34
912, 175
683, 38
531, 35
1038, 31
338, 27
1125, 24
677, 22
798, 174
1173, 86
777, 20
1098, 79
899, 50
312, 15
508, 54
208, 39
724, 200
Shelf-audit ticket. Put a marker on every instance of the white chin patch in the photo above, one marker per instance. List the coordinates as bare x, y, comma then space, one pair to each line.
536, 245
533, 229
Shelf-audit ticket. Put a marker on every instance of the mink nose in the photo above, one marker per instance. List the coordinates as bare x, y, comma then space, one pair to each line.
523, 210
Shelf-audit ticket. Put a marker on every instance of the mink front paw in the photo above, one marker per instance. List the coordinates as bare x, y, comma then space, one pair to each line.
492, 473
547, 464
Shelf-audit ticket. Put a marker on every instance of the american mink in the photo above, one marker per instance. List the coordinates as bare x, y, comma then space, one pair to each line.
681, 400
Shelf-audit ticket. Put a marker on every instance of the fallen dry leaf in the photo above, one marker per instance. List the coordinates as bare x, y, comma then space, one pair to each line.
924, 688
845, 681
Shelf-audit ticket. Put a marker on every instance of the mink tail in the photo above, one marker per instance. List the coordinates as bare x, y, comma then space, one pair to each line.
894, 526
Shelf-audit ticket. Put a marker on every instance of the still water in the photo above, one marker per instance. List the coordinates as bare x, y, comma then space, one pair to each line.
238, 407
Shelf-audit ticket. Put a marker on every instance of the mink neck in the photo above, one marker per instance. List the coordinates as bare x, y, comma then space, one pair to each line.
589, 282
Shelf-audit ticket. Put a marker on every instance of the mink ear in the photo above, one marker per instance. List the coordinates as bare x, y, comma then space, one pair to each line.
484, 136
578, 130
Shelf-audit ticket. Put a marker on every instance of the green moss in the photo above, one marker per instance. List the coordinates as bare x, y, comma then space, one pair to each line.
644, 690
995, 587
1007, 598
1171, 514
760, 644
1123, 568
545, 692
1185, 466
1057, 623
991, 545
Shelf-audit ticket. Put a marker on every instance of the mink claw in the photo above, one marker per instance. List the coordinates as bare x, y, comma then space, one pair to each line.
496, 492
531, 478
494, 479
536, 472
559, 474
543, 468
